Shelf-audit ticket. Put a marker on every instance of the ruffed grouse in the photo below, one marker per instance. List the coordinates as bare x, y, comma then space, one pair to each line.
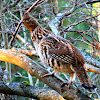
57, 52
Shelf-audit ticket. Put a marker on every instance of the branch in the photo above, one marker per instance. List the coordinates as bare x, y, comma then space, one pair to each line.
96, 42
36, 70
55, 22
91, 2
28, 52
14, 88
32, 6
78, 23
93, 62
11, 6
90, 68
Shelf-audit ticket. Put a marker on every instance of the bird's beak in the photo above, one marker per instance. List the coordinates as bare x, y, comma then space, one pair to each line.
21, 22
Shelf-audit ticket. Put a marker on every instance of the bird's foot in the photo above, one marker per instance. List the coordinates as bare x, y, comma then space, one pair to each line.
49, 74
68, 84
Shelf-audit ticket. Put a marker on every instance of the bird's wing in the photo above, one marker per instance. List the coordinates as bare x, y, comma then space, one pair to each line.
61, 55
63, 51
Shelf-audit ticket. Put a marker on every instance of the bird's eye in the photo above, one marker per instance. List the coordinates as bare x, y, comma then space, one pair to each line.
39, 37
27, 19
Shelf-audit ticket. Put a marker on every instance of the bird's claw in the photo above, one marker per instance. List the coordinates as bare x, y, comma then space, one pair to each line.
49, 74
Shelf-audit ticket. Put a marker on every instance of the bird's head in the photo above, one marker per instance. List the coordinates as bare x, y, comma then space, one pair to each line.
29, 21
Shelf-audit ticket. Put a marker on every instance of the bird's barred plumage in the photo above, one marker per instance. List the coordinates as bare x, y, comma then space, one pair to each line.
57, 52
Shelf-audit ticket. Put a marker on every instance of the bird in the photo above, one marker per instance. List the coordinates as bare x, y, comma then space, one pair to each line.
57, 52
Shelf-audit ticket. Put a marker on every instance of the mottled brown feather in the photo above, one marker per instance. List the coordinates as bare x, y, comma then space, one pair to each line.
57, 52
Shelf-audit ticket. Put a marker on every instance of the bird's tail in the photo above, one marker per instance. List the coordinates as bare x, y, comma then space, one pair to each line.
84, 78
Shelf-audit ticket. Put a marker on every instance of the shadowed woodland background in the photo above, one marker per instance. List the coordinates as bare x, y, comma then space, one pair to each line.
81, 27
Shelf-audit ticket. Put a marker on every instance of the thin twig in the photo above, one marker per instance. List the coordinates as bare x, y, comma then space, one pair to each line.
94, 44
32, 6
78, 23
14, 35
11, 6
26, 52
53, 7
61, 16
